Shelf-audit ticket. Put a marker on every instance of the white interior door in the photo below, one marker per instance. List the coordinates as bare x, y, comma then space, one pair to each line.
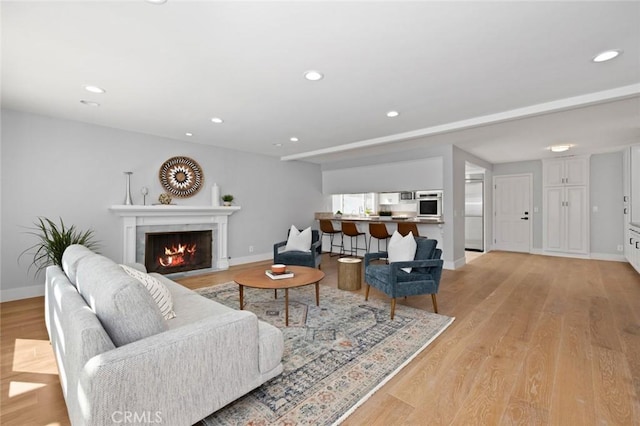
512, 213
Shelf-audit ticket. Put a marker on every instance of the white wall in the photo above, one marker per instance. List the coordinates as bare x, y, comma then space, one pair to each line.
421, 174
57, 168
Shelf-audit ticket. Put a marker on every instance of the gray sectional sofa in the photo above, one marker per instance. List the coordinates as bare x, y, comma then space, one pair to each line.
120, 360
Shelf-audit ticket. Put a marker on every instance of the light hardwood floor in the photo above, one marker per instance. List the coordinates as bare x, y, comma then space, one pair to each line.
536, 340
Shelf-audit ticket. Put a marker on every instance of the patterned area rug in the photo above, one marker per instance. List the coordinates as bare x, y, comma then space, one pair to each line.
335, 357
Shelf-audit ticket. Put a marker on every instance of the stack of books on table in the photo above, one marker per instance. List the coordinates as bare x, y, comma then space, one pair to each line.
285, 274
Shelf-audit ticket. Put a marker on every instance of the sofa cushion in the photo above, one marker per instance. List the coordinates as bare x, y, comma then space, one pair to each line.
124, 307
402, 249
161, 295
298, 240
70, 259
426, 250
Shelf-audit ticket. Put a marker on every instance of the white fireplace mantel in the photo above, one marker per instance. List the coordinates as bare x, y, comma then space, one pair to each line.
135, 216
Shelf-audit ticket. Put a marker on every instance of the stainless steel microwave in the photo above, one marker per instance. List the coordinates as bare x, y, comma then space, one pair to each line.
429, 204
406, 196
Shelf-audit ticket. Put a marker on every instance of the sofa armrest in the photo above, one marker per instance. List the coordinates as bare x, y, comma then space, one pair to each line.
317, 247
434, 265
276, 247
208, 363
368, 257
430, 263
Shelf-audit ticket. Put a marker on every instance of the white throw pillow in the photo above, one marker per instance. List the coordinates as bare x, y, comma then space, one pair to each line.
402, 249
298, 241
159, 292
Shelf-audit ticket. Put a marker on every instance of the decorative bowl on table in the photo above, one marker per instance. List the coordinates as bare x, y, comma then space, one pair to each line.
278, 269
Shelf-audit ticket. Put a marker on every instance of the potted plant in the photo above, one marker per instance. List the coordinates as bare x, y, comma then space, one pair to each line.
227, 199
338, 214
53, 239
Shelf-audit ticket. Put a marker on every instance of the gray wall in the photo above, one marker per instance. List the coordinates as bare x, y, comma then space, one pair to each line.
57, 168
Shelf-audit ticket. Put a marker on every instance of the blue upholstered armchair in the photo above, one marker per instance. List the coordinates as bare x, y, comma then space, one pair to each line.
300, 258
424, 277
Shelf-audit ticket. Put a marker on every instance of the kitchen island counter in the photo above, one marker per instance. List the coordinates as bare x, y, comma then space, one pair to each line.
392, 219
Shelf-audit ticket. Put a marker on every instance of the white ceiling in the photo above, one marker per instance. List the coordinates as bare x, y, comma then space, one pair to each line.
501, 80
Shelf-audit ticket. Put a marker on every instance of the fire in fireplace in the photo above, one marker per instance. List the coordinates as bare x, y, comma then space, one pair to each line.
169, 252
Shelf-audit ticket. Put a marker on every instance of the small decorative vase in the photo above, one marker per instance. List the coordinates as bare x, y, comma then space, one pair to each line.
215, 195
165, 199
127, 193
226, 203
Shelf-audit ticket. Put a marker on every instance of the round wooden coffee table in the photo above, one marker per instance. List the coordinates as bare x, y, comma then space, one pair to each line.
302, 276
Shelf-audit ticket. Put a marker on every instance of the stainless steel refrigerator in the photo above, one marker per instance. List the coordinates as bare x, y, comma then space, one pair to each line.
474, 215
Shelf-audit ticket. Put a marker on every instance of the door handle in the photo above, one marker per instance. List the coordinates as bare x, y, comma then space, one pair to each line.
524, 218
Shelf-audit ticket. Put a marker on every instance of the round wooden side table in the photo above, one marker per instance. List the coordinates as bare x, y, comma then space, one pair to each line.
349, 273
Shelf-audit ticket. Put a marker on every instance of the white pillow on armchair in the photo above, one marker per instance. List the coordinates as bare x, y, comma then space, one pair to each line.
298, 240
402, 249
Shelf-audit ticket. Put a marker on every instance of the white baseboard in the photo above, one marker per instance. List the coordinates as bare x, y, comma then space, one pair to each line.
560, 254
608, 256
21, 293
250, 259
458, 263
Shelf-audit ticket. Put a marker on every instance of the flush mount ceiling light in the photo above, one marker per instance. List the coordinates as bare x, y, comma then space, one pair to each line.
393, 114
606, 55
294, 139
94, 89
217, 120
188, 134
89, 103
156, 1
313, 75
277, 144
559, 148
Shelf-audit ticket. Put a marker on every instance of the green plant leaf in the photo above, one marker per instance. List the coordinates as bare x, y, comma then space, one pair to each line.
52, 241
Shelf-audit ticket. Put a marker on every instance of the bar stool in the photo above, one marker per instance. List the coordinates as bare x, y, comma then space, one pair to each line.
351, 230
379, 232
326, 226
405, 227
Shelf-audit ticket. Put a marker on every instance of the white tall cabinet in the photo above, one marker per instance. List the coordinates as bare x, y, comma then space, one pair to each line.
565, 205
631, 187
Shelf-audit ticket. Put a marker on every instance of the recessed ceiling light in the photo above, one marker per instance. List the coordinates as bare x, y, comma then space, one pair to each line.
217, 120
156, 1
189, 134
393, 114
560, 148
277, 144
606, 55
90, 103
313, 75
294, 139
94, 89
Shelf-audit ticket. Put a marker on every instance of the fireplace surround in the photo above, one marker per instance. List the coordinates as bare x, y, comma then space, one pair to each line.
138, 220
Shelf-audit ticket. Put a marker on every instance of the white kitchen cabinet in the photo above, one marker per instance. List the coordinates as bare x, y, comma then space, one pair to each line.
632, 247
626, 186
631, 202
634, 184
566, 171
389, 198
565, 204
566, 219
